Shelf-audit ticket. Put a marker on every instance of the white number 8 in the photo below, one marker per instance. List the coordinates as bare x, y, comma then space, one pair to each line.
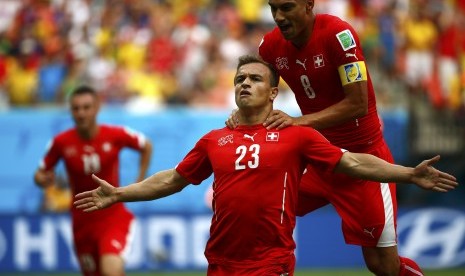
307, 87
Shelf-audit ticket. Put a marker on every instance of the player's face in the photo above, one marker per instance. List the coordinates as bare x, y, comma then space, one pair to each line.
84, 109
292, 18
252, 86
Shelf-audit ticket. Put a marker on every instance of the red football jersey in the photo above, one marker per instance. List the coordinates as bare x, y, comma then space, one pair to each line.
256, 178
82, 158
312, 74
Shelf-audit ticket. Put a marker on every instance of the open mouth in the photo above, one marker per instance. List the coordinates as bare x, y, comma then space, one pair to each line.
245, 93
284, 28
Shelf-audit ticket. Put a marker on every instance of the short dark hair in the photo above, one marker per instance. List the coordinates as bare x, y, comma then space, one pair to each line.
84, 89
246, 59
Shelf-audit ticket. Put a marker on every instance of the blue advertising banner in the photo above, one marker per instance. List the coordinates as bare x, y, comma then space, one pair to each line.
434, 237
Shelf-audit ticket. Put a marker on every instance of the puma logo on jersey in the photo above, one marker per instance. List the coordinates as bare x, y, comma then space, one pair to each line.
352, 55
302, 63
369, 232
251, 137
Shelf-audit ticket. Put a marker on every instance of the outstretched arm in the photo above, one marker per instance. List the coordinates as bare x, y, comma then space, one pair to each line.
159, 185
424, 175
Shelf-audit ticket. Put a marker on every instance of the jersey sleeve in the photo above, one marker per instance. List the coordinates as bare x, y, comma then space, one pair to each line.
345, 43
196, 165
132, 138
262, 51
318, 151
347, 53
52, 155
264, 48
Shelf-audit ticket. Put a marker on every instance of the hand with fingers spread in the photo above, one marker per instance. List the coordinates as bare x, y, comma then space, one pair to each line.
278, 119
96, 199
430, 178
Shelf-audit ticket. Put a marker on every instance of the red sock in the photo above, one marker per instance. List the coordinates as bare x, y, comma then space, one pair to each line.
409, 268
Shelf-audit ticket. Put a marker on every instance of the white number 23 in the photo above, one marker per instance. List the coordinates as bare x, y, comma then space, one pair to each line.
242, 151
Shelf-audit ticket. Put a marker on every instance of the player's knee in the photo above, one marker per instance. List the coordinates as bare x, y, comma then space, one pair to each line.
382, 261
112, 271
112, 265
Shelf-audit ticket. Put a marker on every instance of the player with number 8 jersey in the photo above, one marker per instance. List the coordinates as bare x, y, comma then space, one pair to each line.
320, 57
314, 73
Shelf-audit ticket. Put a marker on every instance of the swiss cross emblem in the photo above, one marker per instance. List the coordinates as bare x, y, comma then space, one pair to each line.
318, 61
272, 136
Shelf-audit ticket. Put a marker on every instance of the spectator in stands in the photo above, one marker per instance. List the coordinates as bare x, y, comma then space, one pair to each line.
448, 58
388, 40
419, 45
21, 82
51, 76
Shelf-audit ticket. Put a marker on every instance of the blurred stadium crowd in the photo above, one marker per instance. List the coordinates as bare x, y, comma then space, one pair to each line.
151, 53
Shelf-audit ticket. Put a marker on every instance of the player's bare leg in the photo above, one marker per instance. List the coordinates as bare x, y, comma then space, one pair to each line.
385, 261
112, 265
382, 261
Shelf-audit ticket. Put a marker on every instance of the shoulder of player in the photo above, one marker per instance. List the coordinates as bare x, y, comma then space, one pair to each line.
212, 134
216, 133
272, 37
216, 136
332, 25
273, 34
300, 130
110, 127
115, 129
65, 134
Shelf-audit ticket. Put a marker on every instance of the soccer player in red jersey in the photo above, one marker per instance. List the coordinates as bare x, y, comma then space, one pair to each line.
256, 178
321, 59
102, 238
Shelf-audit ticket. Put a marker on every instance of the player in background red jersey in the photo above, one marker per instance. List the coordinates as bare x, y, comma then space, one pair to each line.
321, 59
102, 238
256, 178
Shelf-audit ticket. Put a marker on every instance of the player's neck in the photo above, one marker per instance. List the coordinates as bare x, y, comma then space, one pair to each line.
88, 133
250, 117
301, 40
